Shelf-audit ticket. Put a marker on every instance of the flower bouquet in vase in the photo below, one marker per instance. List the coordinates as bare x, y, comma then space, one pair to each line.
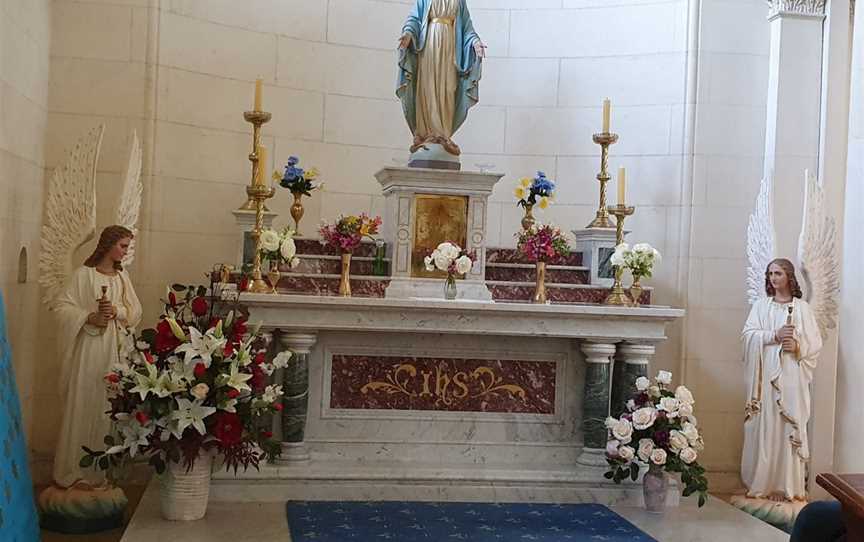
640, 261
530, 192
542, 244
450, 258
300, 183
278, 248
193, 388
658, 430
345, 236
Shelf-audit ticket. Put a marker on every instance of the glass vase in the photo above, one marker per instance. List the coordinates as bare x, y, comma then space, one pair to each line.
345, 276
450, 287
655, 484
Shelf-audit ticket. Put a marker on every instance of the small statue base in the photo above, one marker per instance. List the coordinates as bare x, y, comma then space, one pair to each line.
77, 510
434, 156
780, 514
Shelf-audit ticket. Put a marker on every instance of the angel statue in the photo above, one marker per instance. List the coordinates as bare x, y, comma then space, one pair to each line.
782, 339
95, 306
440, 57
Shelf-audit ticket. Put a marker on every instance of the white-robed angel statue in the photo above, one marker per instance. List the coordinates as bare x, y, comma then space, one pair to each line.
95, 305
782, 340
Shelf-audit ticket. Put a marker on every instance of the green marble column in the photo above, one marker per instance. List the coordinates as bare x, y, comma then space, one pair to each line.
595, 403
295, 385
632, 362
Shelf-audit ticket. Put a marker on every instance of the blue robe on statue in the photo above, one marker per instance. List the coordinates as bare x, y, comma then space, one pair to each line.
468, 64
18, 521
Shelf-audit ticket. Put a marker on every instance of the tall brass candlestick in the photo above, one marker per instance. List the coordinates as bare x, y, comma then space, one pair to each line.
258, 194
604, 140
257, 118
618, 297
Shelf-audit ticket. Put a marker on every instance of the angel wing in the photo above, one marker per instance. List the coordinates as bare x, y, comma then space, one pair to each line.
70, 213
818, 258
130, 199
761, 241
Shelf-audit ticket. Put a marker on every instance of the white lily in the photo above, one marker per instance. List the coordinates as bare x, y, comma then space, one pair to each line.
189, 413
152, 382
237, 380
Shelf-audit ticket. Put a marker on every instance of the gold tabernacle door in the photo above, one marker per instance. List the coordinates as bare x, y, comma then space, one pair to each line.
438, 219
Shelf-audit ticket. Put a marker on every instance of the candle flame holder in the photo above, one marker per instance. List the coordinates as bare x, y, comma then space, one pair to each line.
257, 119
618, 297
259, 194
604, 139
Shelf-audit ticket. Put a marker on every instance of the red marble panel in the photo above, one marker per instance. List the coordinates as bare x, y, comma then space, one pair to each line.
442, 384
510, 255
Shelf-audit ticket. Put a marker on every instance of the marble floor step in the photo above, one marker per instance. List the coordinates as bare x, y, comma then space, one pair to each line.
562, 293
523, 272
510, 255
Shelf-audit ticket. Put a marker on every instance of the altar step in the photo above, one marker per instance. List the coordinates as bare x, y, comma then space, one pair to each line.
394, 481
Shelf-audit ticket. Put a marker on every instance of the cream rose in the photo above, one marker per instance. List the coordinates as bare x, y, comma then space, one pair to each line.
654, 391
269, 241
442, 262
610, 422
200, 391
463, 265
646, 446
664, 377
685, 410
642, 383
644, 418
670, 405
612, 448
658, 456
688, 455
677, 440
626, 452
623, 431
689, 430
430, 263
684, 396
288, 249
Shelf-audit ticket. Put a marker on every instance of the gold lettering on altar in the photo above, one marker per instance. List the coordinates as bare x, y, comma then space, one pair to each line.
446, 386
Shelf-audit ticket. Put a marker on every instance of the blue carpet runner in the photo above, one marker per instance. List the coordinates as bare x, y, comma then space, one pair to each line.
450, 522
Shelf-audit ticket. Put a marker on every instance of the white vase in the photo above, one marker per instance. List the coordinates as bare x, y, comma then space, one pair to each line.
184, 494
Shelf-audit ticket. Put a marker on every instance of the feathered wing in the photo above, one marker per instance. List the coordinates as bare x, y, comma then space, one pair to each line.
130, 199
761, 241
818, 258
70, 213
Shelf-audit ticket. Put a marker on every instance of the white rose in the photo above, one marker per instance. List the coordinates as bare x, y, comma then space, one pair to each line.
677, 441
269, 241
670, 405
449, 250
658, 456
294, 262
288, 249
442, 262
626, 452
617, 259
623, 431
688, 455
685, 410
612, 448
664, 377
610, 422
430, 264
644, 418
631, 405
689, 430
646, 446
642, 248
463, 265
642, 383
654, 391
684, 396
200, 391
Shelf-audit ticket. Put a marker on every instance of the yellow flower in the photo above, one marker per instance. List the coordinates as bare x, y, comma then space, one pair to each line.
311, 174
277, 176
544, 202
364, 229
526, 182
520, 193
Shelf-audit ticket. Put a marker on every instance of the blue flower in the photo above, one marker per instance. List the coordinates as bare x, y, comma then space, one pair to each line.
293, 161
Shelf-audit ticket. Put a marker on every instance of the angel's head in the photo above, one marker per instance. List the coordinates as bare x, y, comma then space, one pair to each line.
780, 277
113, 244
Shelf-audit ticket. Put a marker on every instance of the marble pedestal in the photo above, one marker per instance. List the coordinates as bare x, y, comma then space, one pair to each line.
597, 246
446, 400
246, 222
407, 227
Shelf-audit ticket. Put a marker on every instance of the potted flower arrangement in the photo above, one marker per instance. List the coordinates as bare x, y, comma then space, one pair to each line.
344, 236
278, 247
639, 260
448, 257
542, 244
530, 192
194, 387
300, 183
660, 431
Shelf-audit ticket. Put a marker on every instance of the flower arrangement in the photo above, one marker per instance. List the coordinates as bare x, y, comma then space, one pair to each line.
450, 258
639, 260
296, 179
279, 246
529, 190
195, 384
657, 430
347, 232
543, 243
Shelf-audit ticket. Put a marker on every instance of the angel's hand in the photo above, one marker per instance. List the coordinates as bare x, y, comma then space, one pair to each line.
107, 309
790, 346
97, 319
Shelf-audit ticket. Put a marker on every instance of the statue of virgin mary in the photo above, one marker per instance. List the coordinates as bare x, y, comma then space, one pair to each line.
439, 73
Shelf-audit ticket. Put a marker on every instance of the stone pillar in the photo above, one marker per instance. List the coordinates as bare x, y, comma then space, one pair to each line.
295, 384
633, 361
595, 404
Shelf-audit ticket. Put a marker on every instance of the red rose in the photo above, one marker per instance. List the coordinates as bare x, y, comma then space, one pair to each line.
165, 339
199, 306
149, 357
172, 299
277, 407
112, 377
233, 394
142, 417
200, 370
228, 351
267, 434
244, 283
228, 428
259, 380
259, 358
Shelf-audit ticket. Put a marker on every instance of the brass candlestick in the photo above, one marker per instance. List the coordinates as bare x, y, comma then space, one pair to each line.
604, 139
258, 194
257, 118
618, 297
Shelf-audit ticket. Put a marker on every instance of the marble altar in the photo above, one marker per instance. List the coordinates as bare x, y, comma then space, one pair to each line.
390, 398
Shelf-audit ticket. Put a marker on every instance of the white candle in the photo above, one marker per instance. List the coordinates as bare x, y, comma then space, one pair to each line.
258, 90
622, 182
607, 114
